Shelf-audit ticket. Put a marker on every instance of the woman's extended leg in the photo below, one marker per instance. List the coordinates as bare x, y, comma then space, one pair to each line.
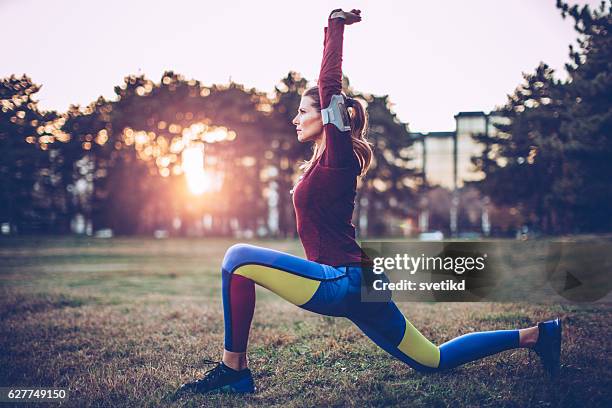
395, 334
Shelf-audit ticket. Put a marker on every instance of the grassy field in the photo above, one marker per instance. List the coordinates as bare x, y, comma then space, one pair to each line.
123, 322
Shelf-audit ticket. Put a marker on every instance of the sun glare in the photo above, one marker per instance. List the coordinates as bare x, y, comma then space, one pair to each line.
193, 166
188, 142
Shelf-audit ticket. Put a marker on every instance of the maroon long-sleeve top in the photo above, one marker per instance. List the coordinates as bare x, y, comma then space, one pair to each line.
324, 199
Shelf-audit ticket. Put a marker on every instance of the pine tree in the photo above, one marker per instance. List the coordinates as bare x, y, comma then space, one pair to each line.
588, 128
551, 155
522, 160
389, 187
25, 163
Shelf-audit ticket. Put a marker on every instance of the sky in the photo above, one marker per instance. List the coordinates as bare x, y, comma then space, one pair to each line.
433, 58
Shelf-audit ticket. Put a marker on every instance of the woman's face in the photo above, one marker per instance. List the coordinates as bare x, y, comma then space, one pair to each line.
308, 122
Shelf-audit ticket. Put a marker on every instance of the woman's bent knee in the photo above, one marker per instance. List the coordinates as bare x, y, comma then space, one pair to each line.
235, 255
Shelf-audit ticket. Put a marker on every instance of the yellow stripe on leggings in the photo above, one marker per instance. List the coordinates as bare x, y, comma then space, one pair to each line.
417, 347
296, 289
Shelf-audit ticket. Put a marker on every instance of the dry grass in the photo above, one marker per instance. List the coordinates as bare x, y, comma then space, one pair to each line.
123, 322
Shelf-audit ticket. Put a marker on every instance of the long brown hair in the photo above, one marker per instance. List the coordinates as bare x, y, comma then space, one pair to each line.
358, 118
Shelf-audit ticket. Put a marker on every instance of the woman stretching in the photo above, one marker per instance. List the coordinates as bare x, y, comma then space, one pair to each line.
329, 281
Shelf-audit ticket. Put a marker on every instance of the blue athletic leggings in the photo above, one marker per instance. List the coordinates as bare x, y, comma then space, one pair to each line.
336, 291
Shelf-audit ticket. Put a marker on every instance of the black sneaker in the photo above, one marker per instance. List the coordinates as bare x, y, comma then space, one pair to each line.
548, 346
221, 379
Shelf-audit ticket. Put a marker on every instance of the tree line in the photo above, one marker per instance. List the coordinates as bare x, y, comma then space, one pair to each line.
117, 163
552, 156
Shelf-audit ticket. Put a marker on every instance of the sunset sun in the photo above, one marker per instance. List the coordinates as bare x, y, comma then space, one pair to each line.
198, 180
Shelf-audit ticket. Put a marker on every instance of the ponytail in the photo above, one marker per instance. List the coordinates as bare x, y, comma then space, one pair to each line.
358, 118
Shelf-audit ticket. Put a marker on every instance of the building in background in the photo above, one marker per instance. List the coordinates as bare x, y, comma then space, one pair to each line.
444, 158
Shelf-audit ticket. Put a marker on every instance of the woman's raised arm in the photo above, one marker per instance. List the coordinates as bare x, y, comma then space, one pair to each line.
339, 147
